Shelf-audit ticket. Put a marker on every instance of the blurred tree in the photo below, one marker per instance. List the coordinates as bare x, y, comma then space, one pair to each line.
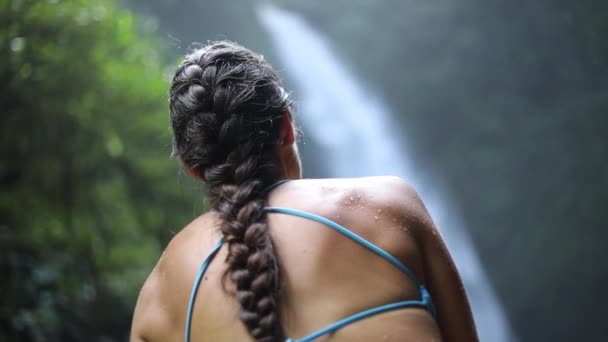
89, 193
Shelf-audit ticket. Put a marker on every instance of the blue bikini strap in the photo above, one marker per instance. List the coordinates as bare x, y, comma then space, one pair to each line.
353, 236
195, 286
425, 298
359, 316
203, 269
424, 302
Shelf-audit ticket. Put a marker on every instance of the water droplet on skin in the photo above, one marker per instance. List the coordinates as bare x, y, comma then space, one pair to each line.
379, 211
394, 219
376, 217
351, 198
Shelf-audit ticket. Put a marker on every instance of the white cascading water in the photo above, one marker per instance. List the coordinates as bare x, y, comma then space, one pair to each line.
355, 132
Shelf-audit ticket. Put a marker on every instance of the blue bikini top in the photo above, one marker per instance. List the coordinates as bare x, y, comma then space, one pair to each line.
424, 301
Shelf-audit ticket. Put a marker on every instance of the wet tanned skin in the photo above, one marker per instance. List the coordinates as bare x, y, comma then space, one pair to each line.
325, 275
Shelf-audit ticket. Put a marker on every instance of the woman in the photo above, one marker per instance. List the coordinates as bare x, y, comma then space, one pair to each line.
308, 259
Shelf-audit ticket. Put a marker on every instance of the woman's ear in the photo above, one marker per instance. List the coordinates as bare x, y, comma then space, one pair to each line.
288, 136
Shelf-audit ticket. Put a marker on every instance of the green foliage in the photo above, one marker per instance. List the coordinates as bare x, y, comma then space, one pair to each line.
89, 194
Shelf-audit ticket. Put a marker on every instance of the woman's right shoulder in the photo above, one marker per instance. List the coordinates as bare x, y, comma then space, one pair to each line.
165, 292
188, 247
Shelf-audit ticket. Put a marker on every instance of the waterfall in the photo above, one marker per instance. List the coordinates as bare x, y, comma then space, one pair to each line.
353, 128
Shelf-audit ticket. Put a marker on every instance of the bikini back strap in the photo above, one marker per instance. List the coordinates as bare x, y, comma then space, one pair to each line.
359, 316
203, 269
195, 286
349, 234
424, 302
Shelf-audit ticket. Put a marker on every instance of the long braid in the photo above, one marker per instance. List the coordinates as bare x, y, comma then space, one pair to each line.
226, 107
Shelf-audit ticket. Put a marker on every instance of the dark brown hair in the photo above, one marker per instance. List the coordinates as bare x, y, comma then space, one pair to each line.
226, 106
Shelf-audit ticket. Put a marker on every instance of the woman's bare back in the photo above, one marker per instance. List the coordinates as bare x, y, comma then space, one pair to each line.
325, 276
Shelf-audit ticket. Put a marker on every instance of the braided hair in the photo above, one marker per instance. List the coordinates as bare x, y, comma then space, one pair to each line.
226, 109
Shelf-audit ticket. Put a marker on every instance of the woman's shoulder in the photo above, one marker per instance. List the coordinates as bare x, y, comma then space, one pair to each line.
402, 202
164, 295
381, 192
365, 203
382, 186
